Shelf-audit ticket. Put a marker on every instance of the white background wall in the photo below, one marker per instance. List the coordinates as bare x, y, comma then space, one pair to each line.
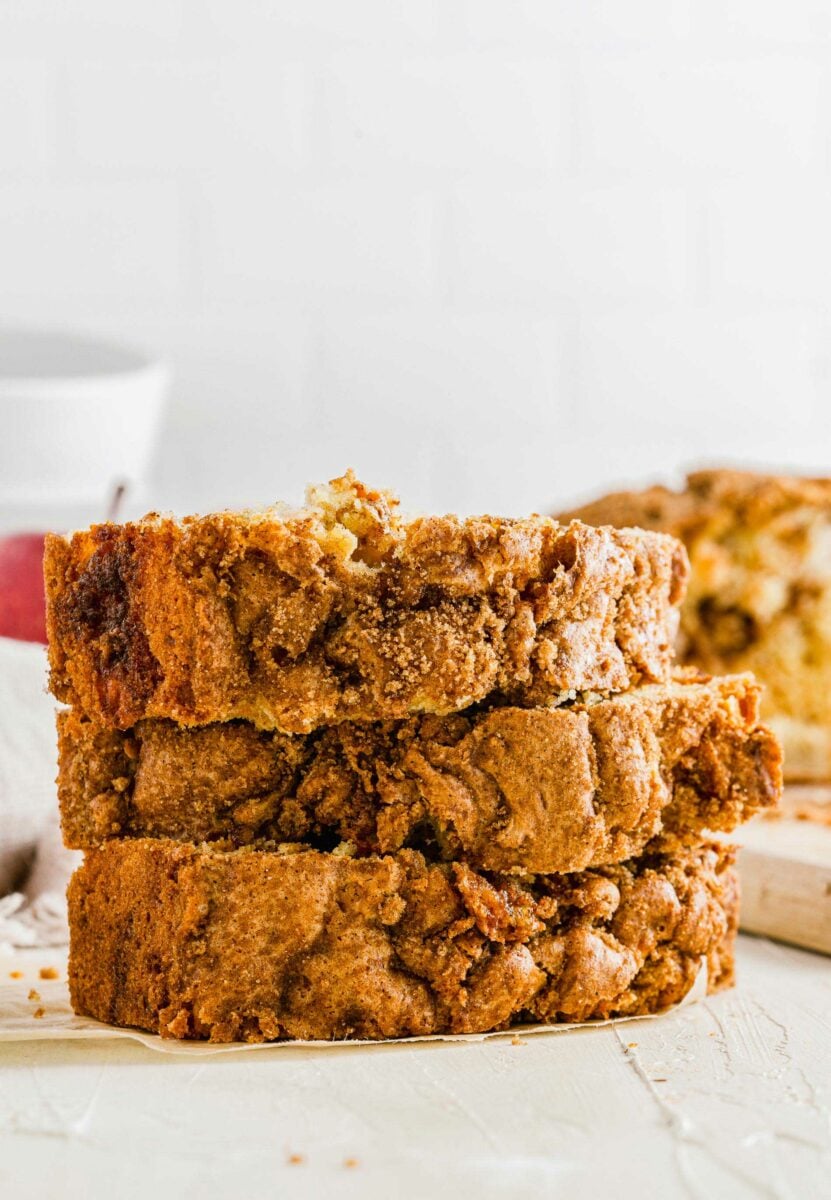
496, 253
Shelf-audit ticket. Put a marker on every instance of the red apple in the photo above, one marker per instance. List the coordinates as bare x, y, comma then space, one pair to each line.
22, 602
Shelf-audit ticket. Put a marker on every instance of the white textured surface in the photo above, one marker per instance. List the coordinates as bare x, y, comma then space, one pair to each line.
731, 1097
495, 253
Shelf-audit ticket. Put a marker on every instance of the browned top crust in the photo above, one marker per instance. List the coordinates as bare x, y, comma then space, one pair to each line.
760, 593
531, 789
258, 945
347, 612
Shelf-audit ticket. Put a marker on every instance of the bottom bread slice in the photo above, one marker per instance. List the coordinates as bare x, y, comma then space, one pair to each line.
261, 944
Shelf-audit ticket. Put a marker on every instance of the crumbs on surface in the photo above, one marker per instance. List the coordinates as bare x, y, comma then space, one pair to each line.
33, 995
350, 1162
516, 1040
38, 1013
296, 1159
15, 974
48, 973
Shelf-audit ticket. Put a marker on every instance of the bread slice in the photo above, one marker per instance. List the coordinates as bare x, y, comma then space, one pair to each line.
760, 593
255, 944
533, 789
345, 611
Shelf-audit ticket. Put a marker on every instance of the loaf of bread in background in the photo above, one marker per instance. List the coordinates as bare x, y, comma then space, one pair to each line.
759, 597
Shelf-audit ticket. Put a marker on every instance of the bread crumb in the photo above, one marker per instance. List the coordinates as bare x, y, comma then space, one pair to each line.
48, 973
33, 995
631, 1045
516, 1040
38, 1013
296, 1159
350, 1162
15, 974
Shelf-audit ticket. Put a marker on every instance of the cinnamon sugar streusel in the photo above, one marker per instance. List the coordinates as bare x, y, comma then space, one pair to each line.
760, 593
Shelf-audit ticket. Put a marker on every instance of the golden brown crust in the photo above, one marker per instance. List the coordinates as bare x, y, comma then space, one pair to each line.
535, 789
258, 945
346, 612
760, 593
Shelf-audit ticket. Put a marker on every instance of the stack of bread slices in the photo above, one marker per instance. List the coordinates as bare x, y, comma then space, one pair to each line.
340, 774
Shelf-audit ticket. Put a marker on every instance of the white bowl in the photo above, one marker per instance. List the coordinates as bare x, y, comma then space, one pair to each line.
77, 417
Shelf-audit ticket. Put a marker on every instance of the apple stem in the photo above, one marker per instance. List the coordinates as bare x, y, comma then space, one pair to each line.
119, 492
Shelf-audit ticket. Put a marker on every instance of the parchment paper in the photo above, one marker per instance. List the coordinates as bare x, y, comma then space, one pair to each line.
58, 1022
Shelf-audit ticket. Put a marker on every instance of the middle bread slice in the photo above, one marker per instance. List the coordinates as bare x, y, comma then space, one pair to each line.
505, 789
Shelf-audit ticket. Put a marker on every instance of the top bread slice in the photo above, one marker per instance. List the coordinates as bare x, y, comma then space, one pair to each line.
345, 611
760, 592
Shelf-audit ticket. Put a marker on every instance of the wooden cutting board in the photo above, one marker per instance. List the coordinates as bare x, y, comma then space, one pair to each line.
785, 867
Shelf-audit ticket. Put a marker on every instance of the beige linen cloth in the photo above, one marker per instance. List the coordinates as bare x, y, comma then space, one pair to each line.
34, 866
